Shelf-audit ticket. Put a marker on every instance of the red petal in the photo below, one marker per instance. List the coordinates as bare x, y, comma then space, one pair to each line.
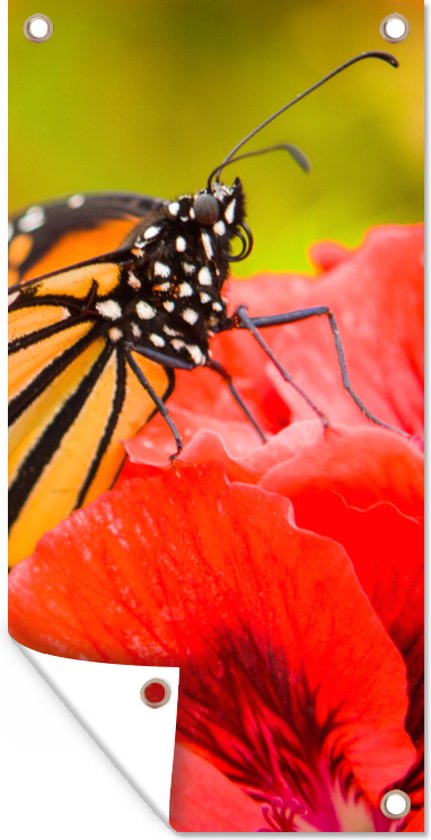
364, 489
415, 822
326, 255
377, 298
187, 570
374, 464
203, 799
155, 443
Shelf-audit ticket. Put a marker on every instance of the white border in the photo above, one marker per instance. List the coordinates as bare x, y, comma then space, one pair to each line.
60, 784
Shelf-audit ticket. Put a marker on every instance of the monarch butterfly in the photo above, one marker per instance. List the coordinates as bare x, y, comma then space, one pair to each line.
95, 340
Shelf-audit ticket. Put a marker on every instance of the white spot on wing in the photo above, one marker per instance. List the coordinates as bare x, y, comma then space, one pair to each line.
180, 243
76, 201
188, 268
173, 208
161, 270
109, 309
177, 344
157, 340
115, 334
185, 290
217, 306
144, 311
169, 305
32, 220
190, 316
12, 298
151, 232
195, 353
170, 331
204, 297
136, 330
133, 281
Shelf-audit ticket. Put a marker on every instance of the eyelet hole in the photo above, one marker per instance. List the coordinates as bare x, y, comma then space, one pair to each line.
395, 804
155, 693
38, 28
394, 28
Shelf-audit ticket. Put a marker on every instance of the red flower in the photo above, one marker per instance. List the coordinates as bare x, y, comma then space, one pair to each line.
290, 686
284, 580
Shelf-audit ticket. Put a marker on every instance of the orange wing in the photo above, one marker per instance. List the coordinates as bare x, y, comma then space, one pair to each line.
73, 396
54, 236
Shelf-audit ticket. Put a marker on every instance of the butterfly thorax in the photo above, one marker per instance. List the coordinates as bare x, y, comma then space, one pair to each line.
169, 298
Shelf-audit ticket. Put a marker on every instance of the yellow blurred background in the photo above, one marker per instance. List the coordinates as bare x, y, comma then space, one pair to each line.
149, 95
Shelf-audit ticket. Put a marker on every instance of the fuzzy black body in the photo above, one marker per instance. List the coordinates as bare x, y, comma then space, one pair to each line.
169, 299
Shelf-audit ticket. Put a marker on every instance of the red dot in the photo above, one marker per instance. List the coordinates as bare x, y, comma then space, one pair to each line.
155, 692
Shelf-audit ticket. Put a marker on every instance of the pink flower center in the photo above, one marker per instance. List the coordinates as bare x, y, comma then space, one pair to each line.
337, 810
280, 815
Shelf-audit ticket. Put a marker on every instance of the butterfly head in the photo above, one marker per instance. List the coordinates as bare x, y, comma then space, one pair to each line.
207, 222
219, 203
220, 211
215, 213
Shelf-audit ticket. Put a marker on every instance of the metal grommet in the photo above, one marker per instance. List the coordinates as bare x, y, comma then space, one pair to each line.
394, 28
395, 804
155, 693
38, 28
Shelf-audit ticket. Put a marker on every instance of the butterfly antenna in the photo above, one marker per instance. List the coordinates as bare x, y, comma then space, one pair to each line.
297, 155
382, 56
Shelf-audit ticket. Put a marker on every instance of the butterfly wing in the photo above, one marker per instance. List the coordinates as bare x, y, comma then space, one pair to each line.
73, 396
52, 236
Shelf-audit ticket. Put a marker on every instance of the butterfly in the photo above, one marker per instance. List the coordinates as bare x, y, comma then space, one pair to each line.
109, 295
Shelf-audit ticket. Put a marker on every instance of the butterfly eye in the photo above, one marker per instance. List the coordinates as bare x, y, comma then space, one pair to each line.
206, 208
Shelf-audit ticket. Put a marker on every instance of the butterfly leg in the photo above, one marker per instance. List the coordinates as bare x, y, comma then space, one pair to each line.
218, 368
158, 402
253, 324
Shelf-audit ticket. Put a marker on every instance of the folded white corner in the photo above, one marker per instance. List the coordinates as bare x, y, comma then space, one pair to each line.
106, 700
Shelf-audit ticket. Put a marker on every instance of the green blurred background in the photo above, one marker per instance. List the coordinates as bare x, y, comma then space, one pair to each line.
149, 95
